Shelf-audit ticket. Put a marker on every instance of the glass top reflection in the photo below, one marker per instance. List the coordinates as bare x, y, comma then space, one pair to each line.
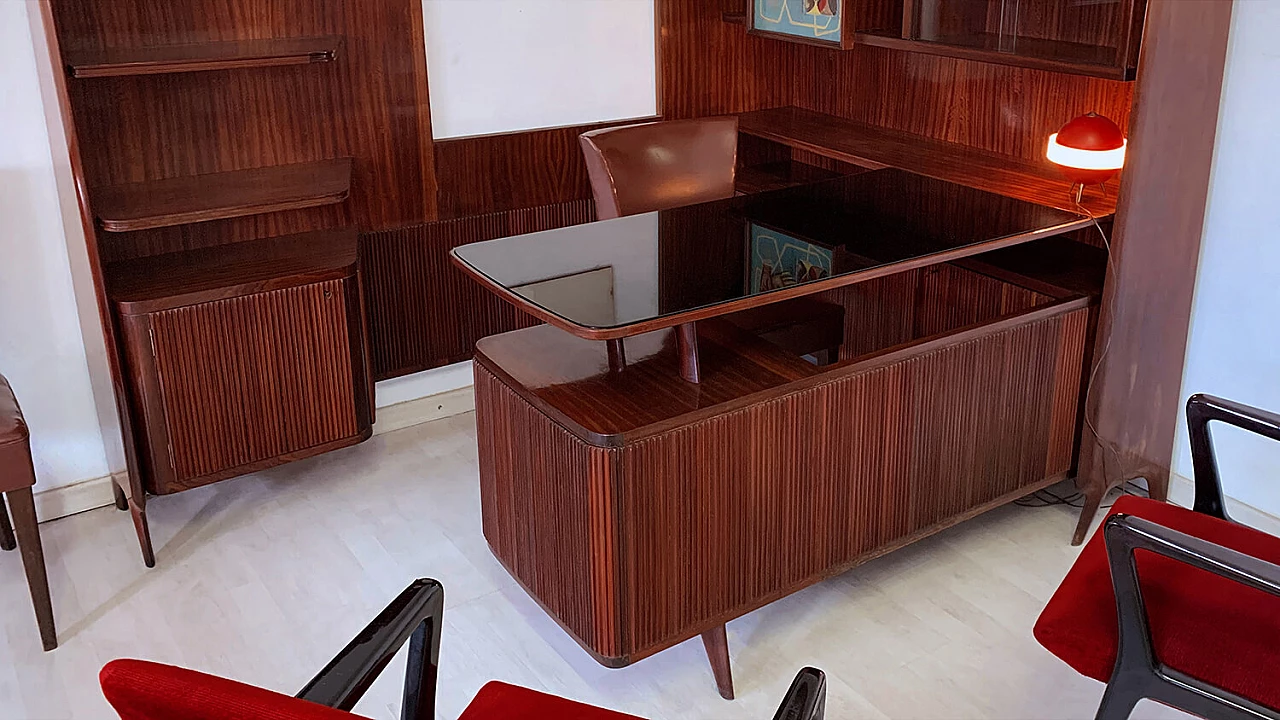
631, 270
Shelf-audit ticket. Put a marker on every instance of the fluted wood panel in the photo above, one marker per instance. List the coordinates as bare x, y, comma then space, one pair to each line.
722, 516
252, 378
423, 311
725, 513
532, 470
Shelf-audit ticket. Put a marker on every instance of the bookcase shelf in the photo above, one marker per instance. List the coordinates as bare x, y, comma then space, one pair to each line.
195, 57
217, 196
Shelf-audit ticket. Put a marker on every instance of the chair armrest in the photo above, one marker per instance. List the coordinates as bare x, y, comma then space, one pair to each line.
806, 699
415, 615
1201, 409
1126, 533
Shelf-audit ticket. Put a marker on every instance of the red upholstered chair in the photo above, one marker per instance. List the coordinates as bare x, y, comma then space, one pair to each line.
1179, 606
141, 690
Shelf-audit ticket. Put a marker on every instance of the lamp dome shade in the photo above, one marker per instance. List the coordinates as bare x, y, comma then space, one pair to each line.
1090, 149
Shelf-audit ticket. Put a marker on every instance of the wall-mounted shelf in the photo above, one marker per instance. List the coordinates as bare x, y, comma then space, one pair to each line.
160, 59
1052, 55
216, 196
161, 282
874, 147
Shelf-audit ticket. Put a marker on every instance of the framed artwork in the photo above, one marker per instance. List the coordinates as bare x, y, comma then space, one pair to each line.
779, 260
819, 22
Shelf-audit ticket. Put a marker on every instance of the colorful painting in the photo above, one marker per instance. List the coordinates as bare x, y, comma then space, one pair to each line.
814, 19
779, 260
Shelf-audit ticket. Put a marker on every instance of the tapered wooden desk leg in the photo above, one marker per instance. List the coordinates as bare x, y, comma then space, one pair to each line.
24, 524
122, 500
717, 645
6, 530
687, 344
138, 509
617, 355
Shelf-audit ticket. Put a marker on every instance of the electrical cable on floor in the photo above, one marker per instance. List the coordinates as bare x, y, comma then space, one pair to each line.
1075, 499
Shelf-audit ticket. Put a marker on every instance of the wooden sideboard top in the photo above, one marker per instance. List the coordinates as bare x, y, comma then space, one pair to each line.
161, 282
216, 196
876, 147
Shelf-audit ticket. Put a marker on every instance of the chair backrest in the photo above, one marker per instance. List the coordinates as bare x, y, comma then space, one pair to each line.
660, 165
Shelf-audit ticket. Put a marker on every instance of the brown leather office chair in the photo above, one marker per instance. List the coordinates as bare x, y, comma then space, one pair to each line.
659, 165
17, 476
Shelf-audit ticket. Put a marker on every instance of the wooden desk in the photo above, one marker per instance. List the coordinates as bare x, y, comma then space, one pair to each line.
640, 509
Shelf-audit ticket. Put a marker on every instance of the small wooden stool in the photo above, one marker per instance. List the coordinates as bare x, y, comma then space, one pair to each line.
17, 476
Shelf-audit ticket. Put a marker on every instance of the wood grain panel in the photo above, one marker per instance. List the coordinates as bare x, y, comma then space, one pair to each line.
1158, 229
1001, 109
370, 102
734, 509
533, 469
423, 311
710, 67
899, 308
250, 379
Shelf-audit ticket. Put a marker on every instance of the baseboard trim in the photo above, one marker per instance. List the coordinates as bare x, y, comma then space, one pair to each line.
91, 494
1182, 491
425, 409
59, 502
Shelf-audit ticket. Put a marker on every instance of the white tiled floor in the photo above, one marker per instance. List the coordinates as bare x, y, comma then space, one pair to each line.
264, 577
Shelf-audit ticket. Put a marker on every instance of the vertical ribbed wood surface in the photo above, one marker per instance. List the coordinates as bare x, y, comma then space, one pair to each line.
548, 505
255, 377
701, 523
424, 312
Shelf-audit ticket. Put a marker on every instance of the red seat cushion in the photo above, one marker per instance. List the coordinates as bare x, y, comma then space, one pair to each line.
500, 701
141, 690
1211, 628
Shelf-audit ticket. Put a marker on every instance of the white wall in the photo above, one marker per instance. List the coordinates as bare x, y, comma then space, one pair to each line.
1234, 348
42, 351
503, 65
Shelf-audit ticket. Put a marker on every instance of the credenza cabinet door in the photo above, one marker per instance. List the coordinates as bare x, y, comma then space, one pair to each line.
241, 384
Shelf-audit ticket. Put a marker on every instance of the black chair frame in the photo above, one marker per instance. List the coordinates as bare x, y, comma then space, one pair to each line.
1138, 673
417, 616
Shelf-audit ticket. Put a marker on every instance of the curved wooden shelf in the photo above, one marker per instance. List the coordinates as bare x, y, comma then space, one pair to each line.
161, 282
196, 57
217, 196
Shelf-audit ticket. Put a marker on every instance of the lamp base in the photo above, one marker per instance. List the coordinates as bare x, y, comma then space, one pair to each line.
1077, 190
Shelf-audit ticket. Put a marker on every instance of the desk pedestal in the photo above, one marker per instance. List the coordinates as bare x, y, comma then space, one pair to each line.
639, 539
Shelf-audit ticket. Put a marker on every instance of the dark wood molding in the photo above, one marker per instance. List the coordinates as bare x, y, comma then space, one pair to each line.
196, 57
1159, 223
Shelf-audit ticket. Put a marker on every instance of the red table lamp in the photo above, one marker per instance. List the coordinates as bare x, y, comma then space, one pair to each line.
1090, 151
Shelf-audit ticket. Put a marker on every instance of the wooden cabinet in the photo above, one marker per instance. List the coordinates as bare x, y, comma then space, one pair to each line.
1099, 37
235, 378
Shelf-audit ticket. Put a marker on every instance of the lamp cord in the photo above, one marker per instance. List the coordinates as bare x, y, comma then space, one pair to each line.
1044, 498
